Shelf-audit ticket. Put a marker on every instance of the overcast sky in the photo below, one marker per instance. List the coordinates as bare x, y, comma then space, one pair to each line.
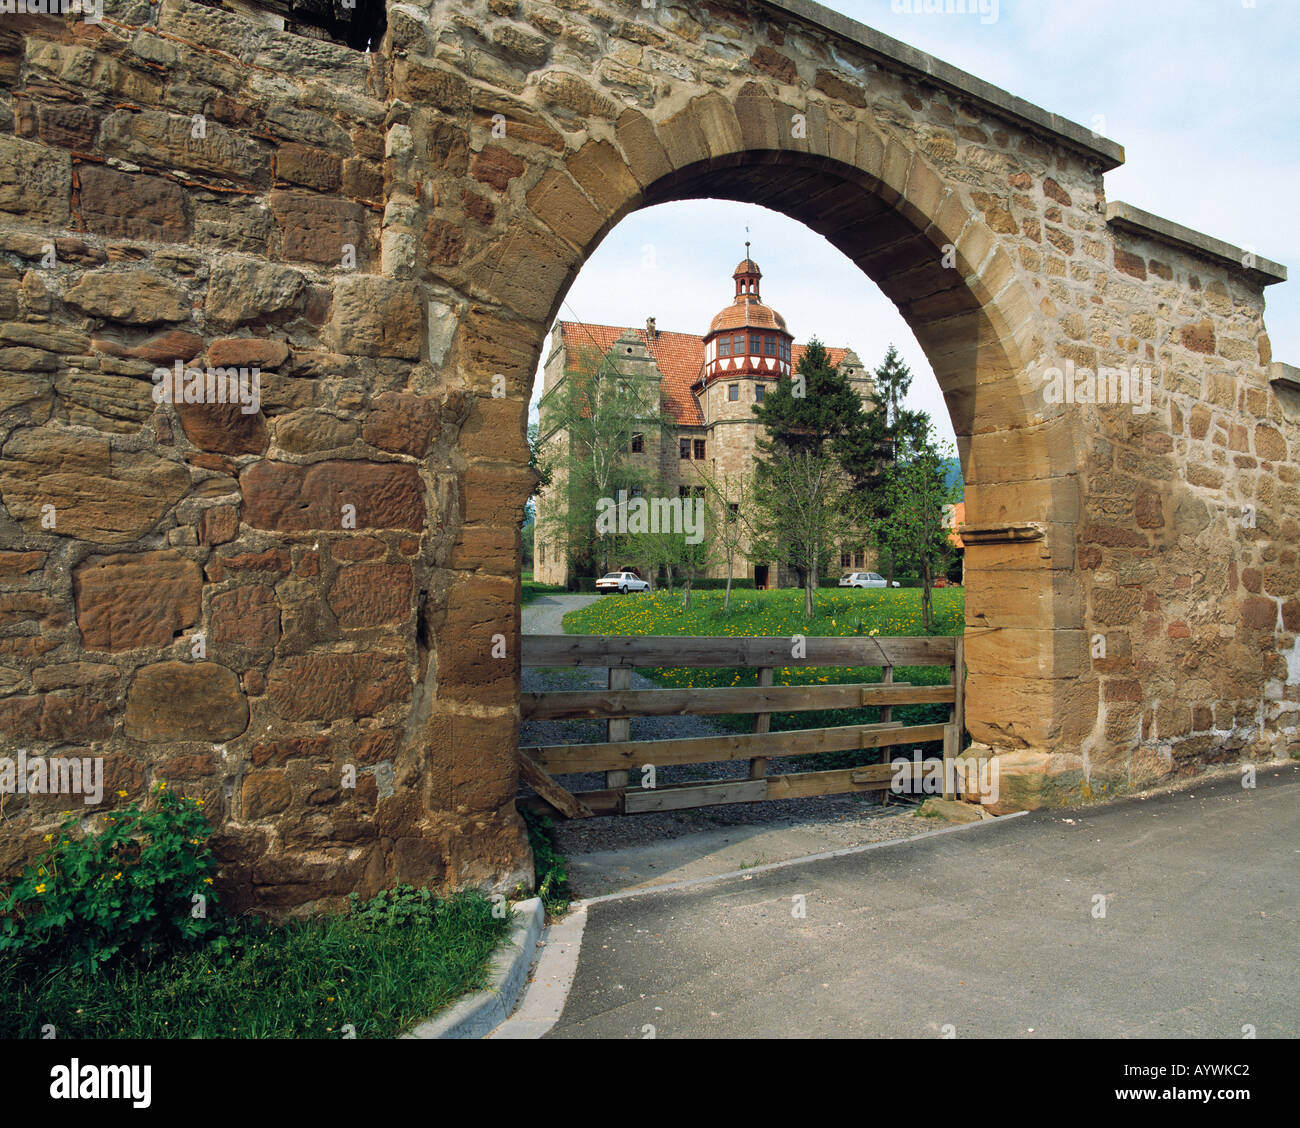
1203, 94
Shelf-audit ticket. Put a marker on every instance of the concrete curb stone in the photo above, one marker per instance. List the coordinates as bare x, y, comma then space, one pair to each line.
476, 1014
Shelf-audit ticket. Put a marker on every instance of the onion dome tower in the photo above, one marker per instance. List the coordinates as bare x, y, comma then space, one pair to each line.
748, 338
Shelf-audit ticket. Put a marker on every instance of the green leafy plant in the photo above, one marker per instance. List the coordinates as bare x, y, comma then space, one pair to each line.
549, 864
402, 906
138, 888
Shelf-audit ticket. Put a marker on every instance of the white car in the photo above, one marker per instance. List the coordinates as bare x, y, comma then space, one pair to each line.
622, 582
865, 580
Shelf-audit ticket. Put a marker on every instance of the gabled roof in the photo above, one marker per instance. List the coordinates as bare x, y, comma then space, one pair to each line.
680, 357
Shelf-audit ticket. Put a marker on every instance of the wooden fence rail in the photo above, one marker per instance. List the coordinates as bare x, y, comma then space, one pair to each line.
619, 756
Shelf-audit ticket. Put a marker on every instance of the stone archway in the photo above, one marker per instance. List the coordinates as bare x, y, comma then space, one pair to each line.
955, 282
986, 223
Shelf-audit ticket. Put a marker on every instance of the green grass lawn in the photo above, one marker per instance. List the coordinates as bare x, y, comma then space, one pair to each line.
531, 590
841, 612
377, 972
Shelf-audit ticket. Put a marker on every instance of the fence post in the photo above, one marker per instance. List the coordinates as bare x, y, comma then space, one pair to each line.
762, 723
886, 718
618, 729
954, 734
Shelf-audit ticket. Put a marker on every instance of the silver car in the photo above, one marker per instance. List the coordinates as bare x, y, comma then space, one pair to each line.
622, 582
865, 580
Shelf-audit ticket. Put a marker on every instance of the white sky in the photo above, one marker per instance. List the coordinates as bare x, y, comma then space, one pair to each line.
1203, 94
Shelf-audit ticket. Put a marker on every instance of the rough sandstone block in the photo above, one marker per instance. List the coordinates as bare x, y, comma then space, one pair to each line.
333, 687
136, 599
35, 183
290, 498
135, 297
173, 701
132, 206
98, 494
374, 316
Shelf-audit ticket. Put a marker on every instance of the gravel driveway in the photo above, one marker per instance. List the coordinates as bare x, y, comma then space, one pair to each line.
860, 816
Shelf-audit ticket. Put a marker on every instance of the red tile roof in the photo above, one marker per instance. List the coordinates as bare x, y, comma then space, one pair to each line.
680, 357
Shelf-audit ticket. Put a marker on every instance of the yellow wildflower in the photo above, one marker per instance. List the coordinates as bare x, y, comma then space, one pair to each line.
117, 876
121, 794
41, 888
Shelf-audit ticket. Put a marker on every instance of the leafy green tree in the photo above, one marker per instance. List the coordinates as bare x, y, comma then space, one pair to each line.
803, 503
869, 453
893, 382
914, 524
586, 424
815, 407
730, 504
803, 508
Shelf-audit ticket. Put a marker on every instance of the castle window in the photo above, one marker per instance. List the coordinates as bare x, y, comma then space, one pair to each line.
858, 560
724, 346
785, 351
739, 341
638, 444
699, 449
685, 448
846, 560
733, 392
760, 390
755, 345
770, 346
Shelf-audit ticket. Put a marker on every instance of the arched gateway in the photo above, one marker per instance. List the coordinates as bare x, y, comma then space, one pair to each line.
349, 551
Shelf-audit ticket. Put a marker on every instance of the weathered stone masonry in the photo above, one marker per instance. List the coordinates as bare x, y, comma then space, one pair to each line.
247, 604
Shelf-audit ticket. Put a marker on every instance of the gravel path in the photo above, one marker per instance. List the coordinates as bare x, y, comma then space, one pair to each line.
857, 818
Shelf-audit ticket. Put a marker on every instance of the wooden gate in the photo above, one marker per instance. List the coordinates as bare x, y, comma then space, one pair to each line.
620, 755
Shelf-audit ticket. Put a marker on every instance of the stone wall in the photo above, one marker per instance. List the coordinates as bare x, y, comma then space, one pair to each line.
248, 605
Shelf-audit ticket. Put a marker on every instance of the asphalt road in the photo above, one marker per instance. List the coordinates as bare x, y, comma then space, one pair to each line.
990, 931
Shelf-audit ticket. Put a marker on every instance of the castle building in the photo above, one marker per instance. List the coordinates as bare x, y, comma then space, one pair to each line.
707, 386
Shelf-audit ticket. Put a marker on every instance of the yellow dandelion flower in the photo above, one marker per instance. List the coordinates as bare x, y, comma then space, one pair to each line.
121, 794
49, 838
41, 888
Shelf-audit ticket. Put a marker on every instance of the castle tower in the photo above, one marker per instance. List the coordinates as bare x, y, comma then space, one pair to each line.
748, 339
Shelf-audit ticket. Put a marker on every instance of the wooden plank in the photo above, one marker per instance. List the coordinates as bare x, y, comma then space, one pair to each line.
672, 653
764, 700
563, 759
762, 724
618, 731
598, 802
949, 753
800, 785
638, 801
559, 798
874, 777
